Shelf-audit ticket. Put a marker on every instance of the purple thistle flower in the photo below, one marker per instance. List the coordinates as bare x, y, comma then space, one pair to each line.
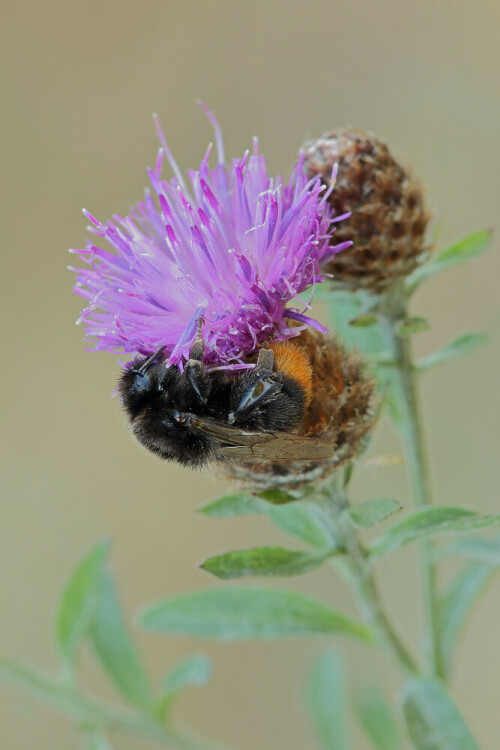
234, 249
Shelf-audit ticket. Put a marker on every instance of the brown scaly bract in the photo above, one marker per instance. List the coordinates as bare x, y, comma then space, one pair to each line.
342, 410
388, 217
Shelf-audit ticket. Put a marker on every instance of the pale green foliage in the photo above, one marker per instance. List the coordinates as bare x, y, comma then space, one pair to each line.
463, 344
465, 249
79, 601
456, 603
431, 522
89, 611
433, 720
265, 561
327, 702
375, 716
115, 649
367, 514
232, 614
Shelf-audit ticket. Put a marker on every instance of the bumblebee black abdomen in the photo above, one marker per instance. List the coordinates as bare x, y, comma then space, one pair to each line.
161, 401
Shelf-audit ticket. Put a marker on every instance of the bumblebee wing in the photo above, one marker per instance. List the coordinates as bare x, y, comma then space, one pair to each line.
263, 446
282, 446
225, 434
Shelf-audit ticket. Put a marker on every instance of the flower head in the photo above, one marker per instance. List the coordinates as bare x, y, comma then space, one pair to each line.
388, 218
232, 248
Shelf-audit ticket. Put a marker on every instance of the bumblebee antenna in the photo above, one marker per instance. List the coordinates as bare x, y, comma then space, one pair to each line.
147, 364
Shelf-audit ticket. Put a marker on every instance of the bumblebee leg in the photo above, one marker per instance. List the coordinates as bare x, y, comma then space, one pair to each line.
149, 361
198, 378
265, 362
197, 351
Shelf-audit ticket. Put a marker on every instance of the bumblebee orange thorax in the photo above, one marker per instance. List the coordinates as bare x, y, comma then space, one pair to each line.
292, 361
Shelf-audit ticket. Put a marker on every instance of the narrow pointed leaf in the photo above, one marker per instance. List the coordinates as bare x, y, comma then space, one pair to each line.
364, 321
277, 497
411, 326
194, 670
431, 522
377, 720
476, 549
265, 561
115, 649
326, 691
457, 603
465, 249
79, 600
231, 506
461, 345
433, 720
232, 614
373, 511
243, 504
305, 521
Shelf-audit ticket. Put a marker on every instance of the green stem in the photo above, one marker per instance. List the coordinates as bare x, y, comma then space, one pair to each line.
360, 573
91, 712
393, 310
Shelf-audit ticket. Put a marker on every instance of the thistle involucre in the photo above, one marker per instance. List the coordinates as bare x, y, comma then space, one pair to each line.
388, 218
342, 410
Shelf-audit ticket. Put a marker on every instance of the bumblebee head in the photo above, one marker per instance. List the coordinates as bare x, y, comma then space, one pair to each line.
154, 397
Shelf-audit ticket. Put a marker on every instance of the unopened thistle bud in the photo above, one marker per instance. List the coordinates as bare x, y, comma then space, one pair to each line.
336, 423
388, 219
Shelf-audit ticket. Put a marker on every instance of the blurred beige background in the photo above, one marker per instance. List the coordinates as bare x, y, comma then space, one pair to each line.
80, 81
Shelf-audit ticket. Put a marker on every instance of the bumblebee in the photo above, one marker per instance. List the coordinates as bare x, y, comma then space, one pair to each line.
196, 416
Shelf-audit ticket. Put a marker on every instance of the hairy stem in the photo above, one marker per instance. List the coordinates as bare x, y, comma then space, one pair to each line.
359, 571
394, 310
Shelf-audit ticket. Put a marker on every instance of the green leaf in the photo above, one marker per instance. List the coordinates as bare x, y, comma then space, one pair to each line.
115, 649
456, 604
277, 497
376, 718
231, 506
86, 710
428, 522
465, 249
364, 320
372, 511
51, 691
305, 521
433, 720
475, 548
232, 614
461, 345
326, 691
194, 670
410, 326
265, 561
79, 601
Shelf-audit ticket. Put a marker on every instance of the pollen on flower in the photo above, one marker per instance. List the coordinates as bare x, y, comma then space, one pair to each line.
229, 245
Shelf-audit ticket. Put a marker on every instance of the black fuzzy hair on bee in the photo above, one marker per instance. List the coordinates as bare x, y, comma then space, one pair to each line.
161, 403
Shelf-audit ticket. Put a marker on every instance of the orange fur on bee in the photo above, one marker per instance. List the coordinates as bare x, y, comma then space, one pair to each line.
292, 361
